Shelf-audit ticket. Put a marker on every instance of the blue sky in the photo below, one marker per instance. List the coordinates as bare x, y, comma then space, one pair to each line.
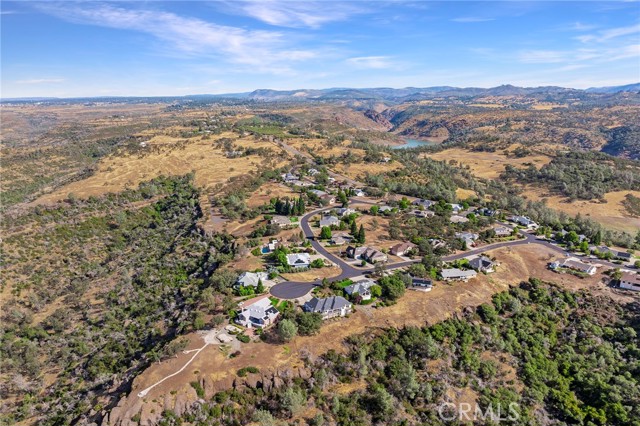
94, 48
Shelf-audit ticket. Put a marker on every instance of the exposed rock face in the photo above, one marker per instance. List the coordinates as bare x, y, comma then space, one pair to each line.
378, 118
149, 409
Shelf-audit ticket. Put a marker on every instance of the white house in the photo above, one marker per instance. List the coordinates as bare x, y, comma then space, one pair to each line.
344, 211
502, 231
250, 279
299, 260
468, 237
289, 177
458, 219
361, 287
329, 221
455, 274
318, 193
258, 315
456, 208
630, 281
577, 265
329, 307
524, 221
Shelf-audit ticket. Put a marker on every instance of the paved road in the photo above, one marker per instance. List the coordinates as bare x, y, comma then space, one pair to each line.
294, 290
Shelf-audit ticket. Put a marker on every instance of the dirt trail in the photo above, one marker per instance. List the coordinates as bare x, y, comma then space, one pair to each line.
414, 308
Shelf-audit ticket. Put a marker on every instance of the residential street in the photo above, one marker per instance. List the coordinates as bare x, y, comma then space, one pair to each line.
294, 290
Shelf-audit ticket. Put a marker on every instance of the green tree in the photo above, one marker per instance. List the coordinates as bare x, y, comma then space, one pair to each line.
287, 330
293, 400
361, 235
374, 210
354, 229
308, 323
260, 287
325, 233
392, 286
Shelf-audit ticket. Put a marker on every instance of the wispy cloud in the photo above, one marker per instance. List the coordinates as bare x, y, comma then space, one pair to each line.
40, 81
372, 62
543, 56
574, 57
293, 14
471, 19
267, 51
611, 33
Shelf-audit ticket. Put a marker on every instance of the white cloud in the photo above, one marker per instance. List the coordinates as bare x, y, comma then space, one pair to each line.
584, 56
40, 81
293, 14
611, 33
372, 62
267, 51
471, 19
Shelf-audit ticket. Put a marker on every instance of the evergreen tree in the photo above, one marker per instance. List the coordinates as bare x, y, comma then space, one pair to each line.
354, 229
260, 287
361, 237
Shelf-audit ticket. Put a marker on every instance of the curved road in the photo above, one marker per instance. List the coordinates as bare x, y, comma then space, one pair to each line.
293, 289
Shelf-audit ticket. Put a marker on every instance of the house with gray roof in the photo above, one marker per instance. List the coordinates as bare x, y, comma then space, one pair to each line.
482, 264
362, 288
524, 221
344, 211
250, 279
468, 237
421, 284
258, 315
616, 254
423, 203
630, 281
329, 307
329, 221
299, 260
455, 274
369, 254
458, 219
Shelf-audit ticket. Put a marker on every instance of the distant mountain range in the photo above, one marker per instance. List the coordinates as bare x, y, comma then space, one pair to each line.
381, 93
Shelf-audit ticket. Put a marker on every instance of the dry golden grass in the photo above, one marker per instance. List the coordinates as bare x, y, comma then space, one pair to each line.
415, 308
168, 156
313, 274
611, 214
487, 165
544, 106
358, 171
463, 194
268, 191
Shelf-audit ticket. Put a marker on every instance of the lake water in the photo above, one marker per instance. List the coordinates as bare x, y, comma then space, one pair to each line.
413, 143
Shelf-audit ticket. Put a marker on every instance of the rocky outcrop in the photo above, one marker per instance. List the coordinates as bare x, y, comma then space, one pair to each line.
133, 411
378, 118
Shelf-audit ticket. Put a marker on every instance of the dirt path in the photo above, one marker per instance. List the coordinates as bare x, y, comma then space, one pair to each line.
209, 339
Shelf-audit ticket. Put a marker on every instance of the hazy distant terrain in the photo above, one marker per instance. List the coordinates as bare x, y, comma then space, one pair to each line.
128, 220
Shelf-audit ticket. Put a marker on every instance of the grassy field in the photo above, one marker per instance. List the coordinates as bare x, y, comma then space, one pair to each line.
611, 214
487, 165
166, 155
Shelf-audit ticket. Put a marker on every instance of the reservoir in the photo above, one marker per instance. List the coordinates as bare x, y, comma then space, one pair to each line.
414, 143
